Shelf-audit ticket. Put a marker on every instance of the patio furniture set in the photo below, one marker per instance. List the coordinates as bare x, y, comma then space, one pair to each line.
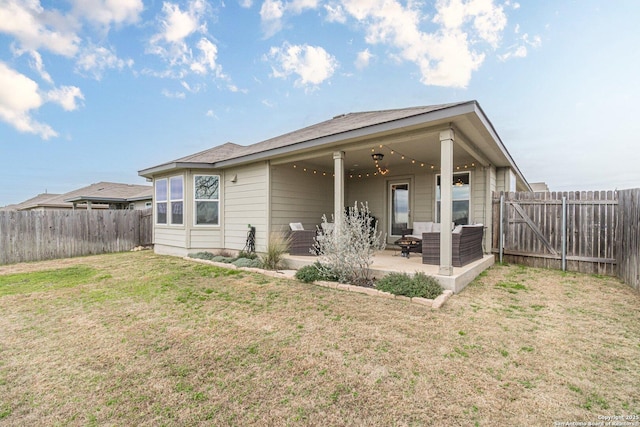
423, 238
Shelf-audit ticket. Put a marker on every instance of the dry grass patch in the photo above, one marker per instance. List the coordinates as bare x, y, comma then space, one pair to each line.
141, 339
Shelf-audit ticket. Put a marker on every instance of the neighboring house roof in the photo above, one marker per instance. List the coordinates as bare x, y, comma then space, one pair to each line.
101, 193
539, 187
340, 129
30, 203
109, 192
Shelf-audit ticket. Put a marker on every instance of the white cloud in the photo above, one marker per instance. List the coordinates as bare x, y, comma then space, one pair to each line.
178, 95
178, 24
211, 113
335, 13
299, 6
519, 50
446, 56
206, 61
95, 60
66, 96
176, 42
35, 63
312, 64
363, 58
35, 28
106, 12
19, 95
272, 12
246, 3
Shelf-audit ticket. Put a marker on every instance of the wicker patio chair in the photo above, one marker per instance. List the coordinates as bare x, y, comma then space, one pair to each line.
466, 242
301, 241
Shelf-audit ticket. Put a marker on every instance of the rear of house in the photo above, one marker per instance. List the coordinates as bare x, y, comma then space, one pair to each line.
393, 160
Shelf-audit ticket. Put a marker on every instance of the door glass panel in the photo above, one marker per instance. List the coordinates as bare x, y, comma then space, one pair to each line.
399, 208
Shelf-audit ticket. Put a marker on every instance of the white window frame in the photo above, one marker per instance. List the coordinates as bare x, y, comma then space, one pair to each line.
156, 201
176, 200
439, 194
168, 201
196, 200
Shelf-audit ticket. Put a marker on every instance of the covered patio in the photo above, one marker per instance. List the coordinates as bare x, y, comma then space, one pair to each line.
412, 165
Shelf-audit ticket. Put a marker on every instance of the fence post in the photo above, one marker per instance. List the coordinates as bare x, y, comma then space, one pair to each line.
501, 235
564, 233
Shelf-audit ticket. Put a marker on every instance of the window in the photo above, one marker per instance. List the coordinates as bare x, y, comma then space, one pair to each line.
207, 199
461, 197
176, 187
161, 201
169, 200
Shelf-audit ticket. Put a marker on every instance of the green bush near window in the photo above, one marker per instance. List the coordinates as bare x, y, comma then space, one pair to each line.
420, 285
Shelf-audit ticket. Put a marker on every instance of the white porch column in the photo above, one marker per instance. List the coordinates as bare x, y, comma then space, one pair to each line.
446, 197
338, 188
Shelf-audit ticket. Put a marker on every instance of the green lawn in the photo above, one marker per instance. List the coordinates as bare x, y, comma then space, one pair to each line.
141, 339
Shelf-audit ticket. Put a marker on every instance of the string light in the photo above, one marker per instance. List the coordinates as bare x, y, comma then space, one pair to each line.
382, 171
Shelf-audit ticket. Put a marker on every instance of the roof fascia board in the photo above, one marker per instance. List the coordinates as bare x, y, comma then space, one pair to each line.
492, 131
96, 199
420, 119
149, 172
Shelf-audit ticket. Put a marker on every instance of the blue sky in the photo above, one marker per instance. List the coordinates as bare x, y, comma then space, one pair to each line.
95, 90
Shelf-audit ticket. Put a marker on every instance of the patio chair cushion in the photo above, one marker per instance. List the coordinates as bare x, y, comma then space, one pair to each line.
420, 227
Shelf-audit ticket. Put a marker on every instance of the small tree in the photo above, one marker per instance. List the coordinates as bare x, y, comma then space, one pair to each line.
347, 251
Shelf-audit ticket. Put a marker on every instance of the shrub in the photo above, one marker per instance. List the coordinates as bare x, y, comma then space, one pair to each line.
317, 271
247, 262
220, 258
202, 255
273, 258
349, 253
308, 274
420, 285
248, 255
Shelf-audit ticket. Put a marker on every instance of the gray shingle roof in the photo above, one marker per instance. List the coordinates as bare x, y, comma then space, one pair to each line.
337, 125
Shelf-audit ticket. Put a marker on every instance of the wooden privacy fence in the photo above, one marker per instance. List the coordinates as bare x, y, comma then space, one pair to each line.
40, 235
588, 231
628, 242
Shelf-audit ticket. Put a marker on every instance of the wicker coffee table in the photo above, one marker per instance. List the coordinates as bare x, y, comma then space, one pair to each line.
406, 245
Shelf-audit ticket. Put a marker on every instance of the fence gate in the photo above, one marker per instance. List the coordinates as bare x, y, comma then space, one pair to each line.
575, 231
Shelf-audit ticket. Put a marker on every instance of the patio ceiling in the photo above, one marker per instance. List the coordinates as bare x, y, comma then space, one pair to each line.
398, 157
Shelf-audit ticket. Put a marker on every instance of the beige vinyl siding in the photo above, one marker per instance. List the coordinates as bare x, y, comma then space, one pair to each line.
298, 196
206, 238
169, 236
245, 202
368, 190
505, 180
424, 206
477, 209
